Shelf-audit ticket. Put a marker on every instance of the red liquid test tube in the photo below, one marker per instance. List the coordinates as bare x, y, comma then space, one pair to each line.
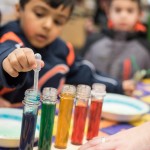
98, 93
80, 114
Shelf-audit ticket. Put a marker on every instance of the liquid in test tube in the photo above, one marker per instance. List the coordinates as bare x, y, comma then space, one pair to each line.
31, 103
49, 99
64, 117
80, 114
97, 95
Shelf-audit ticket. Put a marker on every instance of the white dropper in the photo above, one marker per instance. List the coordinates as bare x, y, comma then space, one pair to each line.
36, 71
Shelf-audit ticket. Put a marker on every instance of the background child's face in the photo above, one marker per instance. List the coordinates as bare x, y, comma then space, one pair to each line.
41, 23
124, 14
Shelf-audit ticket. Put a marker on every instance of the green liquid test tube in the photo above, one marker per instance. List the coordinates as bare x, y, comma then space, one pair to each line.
47, 118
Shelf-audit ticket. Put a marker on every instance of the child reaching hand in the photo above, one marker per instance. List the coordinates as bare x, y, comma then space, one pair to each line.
37, 31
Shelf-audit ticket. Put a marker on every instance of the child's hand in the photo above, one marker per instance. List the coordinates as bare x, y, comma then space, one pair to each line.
7, 104
4, 103
128, 87
20, 60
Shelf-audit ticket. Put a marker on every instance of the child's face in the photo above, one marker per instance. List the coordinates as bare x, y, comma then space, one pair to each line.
124, 14
41, 23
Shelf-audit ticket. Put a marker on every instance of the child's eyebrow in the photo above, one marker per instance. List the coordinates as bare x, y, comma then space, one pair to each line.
46, 10
41, 8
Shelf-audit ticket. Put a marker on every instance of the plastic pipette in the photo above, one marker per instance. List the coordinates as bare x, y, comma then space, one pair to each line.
36, 71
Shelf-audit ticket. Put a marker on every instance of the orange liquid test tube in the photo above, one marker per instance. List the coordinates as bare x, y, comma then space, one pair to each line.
64, 117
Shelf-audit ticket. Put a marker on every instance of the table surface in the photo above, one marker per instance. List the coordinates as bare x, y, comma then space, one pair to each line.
108, 127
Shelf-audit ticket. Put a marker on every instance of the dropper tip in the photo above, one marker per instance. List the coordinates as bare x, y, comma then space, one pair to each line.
38, 58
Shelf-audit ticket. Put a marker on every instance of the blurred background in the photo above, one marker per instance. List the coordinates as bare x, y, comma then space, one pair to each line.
89, 17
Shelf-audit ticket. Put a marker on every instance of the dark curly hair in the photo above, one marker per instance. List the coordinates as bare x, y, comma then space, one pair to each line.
53, 3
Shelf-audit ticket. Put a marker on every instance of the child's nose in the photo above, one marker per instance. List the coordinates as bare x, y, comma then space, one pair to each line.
47, 24
124, 14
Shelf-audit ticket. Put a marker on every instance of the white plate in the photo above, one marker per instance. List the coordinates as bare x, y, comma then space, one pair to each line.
123, 108
10, 127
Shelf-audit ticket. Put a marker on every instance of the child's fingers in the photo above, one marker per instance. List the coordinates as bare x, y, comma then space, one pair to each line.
4, 103
30, 57
9, 69
42, 63
14, 62
22, 59
128, 86
90, 144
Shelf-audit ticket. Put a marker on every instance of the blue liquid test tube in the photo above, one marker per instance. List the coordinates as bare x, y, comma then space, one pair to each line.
30, 110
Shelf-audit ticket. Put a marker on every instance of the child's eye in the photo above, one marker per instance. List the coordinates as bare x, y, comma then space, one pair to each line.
118, 10
130, 10
58, 22
40, 15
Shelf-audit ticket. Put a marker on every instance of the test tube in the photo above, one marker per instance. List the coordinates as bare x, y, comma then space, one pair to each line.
97, 95
80, 114
31, 103
47, 118
64, 117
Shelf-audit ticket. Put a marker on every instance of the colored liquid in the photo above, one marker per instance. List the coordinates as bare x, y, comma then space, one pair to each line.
79, 125
64, 119
46, 126
94, 119
28, 131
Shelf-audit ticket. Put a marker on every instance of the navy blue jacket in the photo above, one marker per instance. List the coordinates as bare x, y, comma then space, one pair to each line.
61, 66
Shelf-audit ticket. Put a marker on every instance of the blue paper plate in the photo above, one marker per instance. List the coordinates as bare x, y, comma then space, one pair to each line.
10, 127
123, 108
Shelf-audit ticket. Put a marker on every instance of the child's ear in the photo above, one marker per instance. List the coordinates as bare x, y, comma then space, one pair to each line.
17, 6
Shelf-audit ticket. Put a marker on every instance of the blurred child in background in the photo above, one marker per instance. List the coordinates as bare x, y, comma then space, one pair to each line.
121, 50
